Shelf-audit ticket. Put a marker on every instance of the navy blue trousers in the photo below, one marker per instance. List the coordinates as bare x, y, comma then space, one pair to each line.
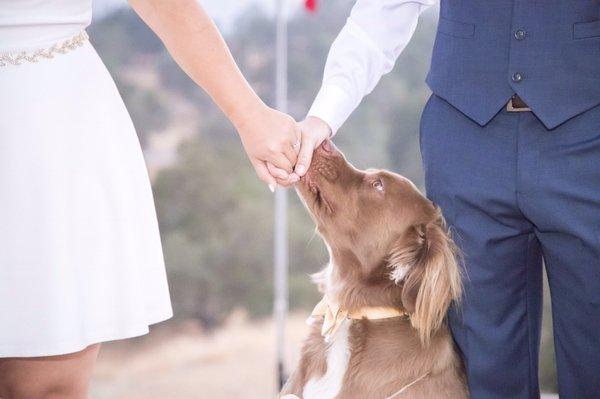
513, 193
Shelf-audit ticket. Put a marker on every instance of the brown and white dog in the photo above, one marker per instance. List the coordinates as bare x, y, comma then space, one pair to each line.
379, 333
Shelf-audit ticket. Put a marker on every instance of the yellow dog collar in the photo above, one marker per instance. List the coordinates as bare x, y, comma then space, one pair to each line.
333, 315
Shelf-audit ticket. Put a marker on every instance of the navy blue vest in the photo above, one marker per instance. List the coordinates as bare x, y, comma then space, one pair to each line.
546, 51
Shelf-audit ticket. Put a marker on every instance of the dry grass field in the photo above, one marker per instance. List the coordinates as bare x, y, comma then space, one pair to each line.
236, 361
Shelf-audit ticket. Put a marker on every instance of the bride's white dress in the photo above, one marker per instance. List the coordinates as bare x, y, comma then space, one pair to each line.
80, 253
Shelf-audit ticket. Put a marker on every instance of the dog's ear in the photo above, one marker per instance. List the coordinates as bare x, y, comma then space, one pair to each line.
425, 263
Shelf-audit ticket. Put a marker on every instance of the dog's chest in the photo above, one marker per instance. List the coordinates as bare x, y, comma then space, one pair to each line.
329, 385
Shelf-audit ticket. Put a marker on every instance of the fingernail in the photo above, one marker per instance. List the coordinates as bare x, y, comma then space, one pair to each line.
300, 169
272, 187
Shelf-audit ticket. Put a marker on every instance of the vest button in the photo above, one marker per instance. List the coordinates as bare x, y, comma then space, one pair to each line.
520, 34
517, 77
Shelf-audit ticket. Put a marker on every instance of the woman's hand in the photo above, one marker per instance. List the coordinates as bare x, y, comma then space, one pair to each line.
314, 131
271, 138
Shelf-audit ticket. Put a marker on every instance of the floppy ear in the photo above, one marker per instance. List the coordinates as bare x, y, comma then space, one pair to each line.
425, 261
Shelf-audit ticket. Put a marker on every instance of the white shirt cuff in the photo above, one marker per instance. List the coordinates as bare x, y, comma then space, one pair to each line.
332, 105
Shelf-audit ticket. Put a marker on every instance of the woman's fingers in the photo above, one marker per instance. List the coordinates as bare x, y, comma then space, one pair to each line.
273, 176
280, 161
296, 145
278, 175
291, 151
298, 140
263, 174
291, 145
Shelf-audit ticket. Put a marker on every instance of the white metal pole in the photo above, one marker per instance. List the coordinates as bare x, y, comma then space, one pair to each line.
281, 222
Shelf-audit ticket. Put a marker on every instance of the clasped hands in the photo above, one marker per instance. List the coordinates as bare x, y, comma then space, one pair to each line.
280, 149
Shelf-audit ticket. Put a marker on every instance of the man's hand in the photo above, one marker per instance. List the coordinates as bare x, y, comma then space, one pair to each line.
314, 131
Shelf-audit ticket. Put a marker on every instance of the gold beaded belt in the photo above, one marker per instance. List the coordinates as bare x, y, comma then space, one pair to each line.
34, 56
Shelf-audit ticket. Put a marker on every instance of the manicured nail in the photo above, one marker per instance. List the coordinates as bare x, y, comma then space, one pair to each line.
272, 187
300, 169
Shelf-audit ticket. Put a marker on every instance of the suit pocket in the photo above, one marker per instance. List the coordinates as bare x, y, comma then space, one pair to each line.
455, 28
586, 30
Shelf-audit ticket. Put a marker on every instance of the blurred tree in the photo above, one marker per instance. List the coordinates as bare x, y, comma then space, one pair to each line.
216, 222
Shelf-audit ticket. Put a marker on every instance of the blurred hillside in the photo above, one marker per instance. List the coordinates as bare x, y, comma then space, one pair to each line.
215, 216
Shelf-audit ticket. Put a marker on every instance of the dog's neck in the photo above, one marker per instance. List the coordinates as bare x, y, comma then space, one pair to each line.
345, 282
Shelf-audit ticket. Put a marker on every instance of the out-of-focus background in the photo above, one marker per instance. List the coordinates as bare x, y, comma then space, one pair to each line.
216, 218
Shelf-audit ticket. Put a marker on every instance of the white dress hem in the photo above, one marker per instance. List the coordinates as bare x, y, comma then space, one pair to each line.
76, 345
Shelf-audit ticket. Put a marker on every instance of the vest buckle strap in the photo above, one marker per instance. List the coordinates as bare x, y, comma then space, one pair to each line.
516, 104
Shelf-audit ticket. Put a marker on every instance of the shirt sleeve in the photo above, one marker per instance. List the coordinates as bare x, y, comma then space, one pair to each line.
375, 34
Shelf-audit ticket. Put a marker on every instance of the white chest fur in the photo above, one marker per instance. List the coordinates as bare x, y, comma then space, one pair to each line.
329, 385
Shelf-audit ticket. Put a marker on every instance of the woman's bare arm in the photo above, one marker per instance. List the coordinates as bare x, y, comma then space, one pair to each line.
196, 45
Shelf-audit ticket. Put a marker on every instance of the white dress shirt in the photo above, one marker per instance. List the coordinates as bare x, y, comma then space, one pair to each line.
375, 34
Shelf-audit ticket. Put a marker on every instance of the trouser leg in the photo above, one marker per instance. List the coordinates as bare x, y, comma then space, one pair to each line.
563, 201
471, 173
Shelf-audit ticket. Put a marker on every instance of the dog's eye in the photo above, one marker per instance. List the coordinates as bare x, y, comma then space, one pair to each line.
378, 185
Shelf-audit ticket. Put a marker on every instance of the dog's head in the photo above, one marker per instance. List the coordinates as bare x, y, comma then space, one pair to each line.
386, 239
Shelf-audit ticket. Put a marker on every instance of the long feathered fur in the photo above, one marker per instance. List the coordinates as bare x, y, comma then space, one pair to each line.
426, 262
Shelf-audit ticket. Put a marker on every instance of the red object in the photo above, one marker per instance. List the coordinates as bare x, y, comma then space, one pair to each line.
311, 5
